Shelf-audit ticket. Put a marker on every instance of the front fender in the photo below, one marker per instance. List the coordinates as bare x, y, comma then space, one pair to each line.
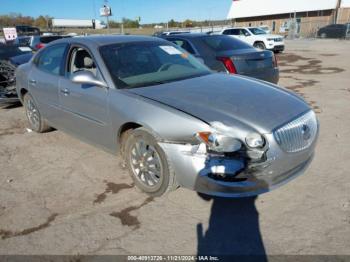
166, 123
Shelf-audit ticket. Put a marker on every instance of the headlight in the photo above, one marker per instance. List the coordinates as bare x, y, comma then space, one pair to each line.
219, 143
270, 39
255, 140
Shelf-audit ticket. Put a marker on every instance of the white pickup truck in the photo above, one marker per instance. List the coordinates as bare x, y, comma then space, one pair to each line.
256, 37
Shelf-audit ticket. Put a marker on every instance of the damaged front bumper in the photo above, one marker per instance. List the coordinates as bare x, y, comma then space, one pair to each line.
233, 176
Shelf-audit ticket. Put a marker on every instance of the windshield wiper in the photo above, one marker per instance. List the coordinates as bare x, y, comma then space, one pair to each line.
145, 84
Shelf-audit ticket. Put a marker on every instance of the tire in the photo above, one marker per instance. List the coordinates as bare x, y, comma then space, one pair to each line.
35, 119
323, 35
148, 164
260, 45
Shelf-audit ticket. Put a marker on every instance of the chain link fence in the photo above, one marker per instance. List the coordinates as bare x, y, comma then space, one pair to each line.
291, 29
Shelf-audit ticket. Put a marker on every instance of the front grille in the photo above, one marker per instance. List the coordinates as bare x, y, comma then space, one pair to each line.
298, 134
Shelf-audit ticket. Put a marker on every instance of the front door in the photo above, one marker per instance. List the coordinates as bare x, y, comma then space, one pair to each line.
85, 106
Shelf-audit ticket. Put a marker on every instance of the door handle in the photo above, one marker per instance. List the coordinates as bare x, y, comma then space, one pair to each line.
65, 91
32, 82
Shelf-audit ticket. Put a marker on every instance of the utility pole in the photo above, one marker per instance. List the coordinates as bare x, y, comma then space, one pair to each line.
94, 8
336, 11
107, 17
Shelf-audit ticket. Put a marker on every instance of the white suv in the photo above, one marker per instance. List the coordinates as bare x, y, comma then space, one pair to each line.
256, 37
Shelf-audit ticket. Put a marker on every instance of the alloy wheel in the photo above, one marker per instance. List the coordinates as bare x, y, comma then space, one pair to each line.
33, 114
146, 164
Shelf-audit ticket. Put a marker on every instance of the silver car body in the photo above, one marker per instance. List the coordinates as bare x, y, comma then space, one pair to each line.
174, 112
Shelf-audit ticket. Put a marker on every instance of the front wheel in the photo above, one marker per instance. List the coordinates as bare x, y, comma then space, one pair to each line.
35, 119
147, 163
260, 45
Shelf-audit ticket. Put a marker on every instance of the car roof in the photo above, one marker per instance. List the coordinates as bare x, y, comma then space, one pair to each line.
180, 31
101, 40
238, 27
190, 35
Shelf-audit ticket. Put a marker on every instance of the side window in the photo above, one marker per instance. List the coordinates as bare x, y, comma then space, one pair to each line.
183, 44
235, 32
245, 32
81, 60
51, 59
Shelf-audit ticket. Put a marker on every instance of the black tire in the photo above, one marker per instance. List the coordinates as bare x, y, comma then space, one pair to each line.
39, 125
260, 45
323, 35
166, 176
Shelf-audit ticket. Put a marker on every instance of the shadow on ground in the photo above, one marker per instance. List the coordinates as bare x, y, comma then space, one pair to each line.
233, 229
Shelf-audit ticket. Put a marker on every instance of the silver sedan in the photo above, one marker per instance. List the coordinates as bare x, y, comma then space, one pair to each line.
174, 121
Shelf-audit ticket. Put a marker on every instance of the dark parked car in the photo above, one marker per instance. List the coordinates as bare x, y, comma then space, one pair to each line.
27, 30
222, 53
10, 57
37, 42
334, 31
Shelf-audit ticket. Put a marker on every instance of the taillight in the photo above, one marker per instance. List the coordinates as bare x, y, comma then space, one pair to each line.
39, 46
274, 61
228, 63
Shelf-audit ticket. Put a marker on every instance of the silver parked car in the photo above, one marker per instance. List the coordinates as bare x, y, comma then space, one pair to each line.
174, 121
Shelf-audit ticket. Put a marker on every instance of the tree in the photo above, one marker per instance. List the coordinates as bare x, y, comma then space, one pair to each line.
188, 23
114, 24
129, 23
173, 23
14, 19
41, 22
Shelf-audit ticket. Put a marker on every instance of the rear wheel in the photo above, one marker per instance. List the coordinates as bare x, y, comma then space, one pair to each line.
147, 163
36, 122
260, 45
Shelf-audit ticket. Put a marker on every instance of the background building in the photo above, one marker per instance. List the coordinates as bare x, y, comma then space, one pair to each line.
297, 17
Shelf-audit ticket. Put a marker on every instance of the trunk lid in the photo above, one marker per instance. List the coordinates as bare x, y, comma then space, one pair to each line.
248, 61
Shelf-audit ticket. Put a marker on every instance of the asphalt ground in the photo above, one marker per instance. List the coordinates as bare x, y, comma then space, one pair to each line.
60, 196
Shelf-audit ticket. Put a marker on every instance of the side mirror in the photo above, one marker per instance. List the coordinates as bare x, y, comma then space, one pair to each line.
88, 78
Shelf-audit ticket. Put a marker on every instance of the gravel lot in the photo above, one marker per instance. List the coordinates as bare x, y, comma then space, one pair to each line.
61, 196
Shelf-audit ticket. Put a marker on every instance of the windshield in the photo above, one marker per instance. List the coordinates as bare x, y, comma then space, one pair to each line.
140, 64
257, 31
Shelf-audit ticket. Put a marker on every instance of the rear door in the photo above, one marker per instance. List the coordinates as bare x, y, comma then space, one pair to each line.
44, 77
85, 107
247, 36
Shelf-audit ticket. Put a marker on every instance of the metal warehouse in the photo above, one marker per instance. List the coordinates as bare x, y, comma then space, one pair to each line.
305, 17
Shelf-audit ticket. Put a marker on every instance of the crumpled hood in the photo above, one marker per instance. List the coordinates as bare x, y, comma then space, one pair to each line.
229, 100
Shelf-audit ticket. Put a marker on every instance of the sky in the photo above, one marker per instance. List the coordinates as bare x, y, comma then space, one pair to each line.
150, 11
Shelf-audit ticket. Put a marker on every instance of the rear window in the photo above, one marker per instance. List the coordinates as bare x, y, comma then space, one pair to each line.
23, 41
48, 39
224, 43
